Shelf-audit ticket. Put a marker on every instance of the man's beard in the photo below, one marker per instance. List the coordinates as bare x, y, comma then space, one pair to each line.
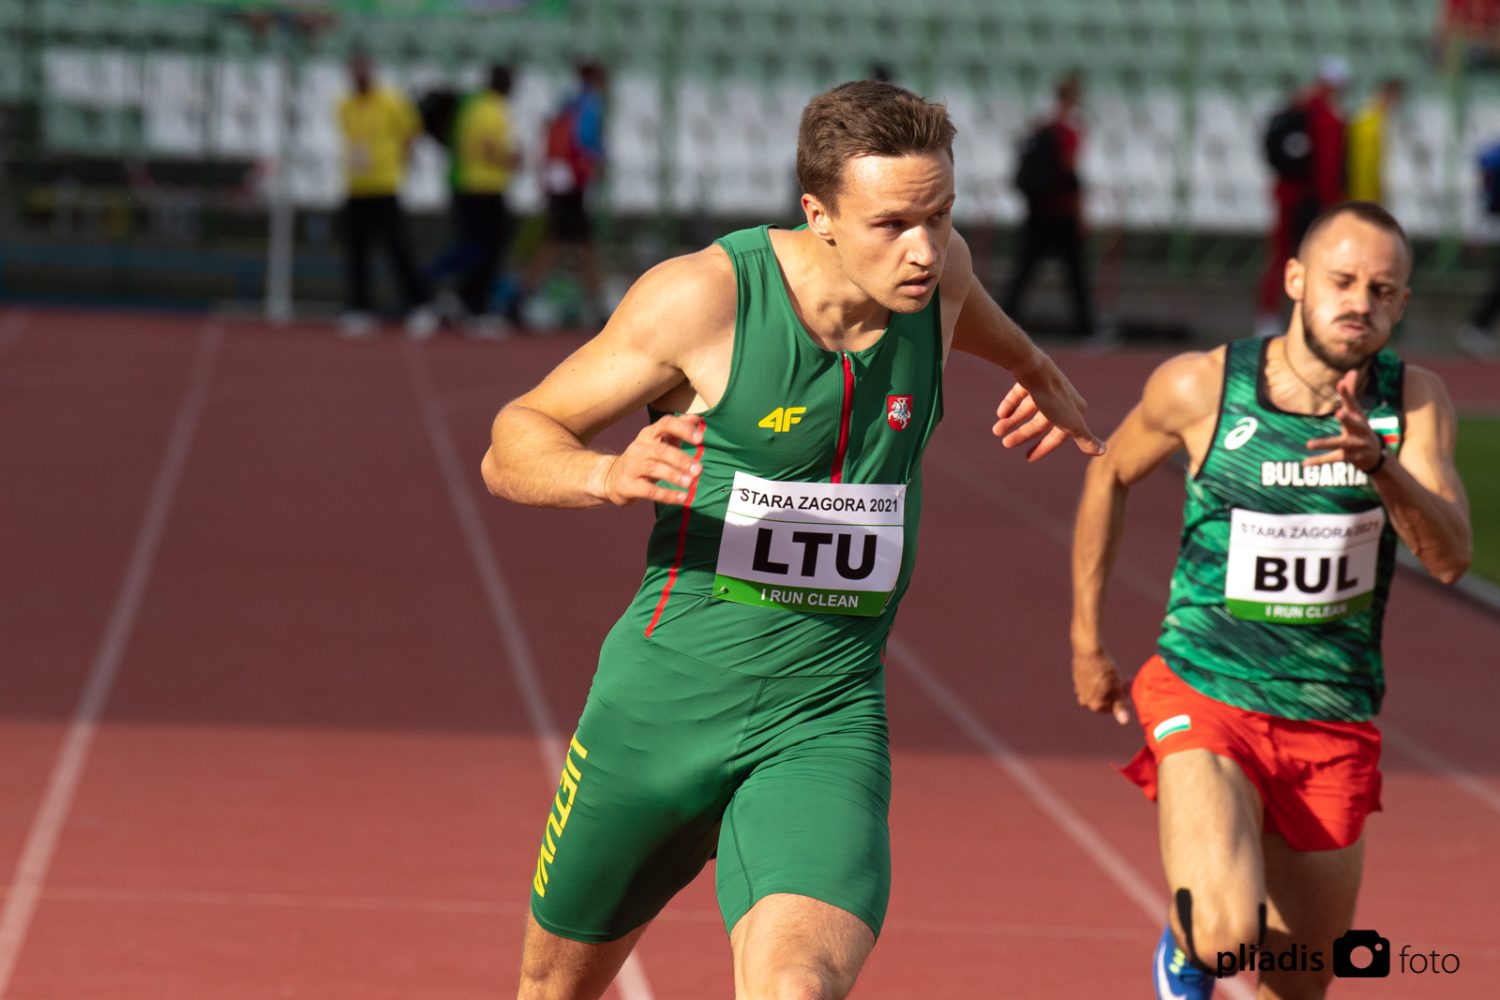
1321, 351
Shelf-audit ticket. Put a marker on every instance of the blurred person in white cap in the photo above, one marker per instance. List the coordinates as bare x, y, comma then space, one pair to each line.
1305, 147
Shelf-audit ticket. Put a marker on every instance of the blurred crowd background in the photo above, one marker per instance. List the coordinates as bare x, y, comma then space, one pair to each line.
193, 154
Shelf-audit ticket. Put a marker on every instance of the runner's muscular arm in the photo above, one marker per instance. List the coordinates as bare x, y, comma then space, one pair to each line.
1421, 489
1042, 406
1181, 394
539, 444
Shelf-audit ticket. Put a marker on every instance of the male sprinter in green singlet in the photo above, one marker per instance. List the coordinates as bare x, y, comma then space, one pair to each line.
738, 710
1309, 454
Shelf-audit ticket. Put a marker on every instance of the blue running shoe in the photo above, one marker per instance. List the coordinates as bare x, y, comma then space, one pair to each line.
1176, 978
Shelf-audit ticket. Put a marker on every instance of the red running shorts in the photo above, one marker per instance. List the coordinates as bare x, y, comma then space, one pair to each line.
1317, 779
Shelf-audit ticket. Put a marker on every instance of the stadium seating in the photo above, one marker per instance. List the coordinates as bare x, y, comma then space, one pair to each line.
1177, 93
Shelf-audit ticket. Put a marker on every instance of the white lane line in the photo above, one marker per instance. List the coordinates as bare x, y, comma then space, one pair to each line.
1434, 761
508, 620
52, 814
1154, 590
1476, 588
281, 900
631, 980
1130, 881
1057, 529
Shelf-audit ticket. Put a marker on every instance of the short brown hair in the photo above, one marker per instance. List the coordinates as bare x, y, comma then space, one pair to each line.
1365, 211
864, 118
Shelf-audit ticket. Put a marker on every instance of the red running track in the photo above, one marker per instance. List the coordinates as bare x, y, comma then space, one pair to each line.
282, 689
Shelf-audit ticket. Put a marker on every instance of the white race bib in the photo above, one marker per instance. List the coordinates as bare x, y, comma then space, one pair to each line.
830, 548
1301, 569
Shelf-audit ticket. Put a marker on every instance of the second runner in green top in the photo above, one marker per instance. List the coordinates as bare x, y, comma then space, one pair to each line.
1284, 569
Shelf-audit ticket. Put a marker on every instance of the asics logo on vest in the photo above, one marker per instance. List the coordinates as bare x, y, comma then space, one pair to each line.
782, 418
1240, 433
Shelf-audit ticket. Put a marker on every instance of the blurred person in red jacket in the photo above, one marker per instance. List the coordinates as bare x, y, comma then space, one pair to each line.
574, 159
1466, 31
1047, 177
1305, 147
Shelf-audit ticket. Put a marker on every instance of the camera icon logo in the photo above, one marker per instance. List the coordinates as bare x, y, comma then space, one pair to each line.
1350, 958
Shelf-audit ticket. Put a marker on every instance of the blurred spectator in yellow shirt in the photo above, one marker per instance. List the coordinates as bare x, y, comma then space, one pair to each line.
484, 156
1367, 142
379, 126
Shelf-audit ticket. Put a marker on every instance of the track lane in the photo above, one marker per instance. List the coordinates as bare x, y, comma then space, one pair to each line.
310, 707
346, 801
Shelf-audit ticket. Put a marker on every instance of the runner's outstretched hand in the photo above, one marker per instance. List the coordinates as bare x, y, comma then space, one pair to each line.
1050, 410
654, 466
1099, 686
1356, 442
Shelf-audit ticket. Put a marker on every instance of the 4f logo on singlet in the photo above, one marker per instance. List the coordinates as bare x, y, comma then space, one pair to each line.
782, 418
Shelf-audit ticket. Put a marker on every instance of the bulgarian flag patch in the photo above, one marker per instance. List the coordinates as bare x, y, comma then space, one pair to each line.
1389, 429
1176, 724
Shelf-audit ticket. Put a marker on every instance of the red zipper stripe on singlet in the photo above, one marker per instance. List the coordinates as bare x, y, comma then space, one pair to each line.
844, 416
687, 510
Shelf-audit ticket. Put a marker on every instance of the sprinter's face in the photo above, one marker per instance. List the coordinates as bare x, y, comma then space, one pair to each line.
890, 226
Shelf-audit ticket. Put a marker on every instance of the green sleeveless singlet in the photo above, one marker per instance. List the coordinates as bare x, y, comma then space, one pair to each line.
738, 710
1284, 570
800, 535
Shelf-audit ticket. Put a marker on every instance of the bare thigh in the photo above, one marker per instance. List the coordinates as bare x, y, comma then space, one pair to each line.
558, 968
1312, 897
1211, 819
790, 946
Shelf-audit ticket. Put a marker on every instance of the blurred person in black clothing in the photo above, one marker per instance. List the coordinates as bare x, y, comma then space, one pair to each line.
484, 157
1047, 177
1305, 145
